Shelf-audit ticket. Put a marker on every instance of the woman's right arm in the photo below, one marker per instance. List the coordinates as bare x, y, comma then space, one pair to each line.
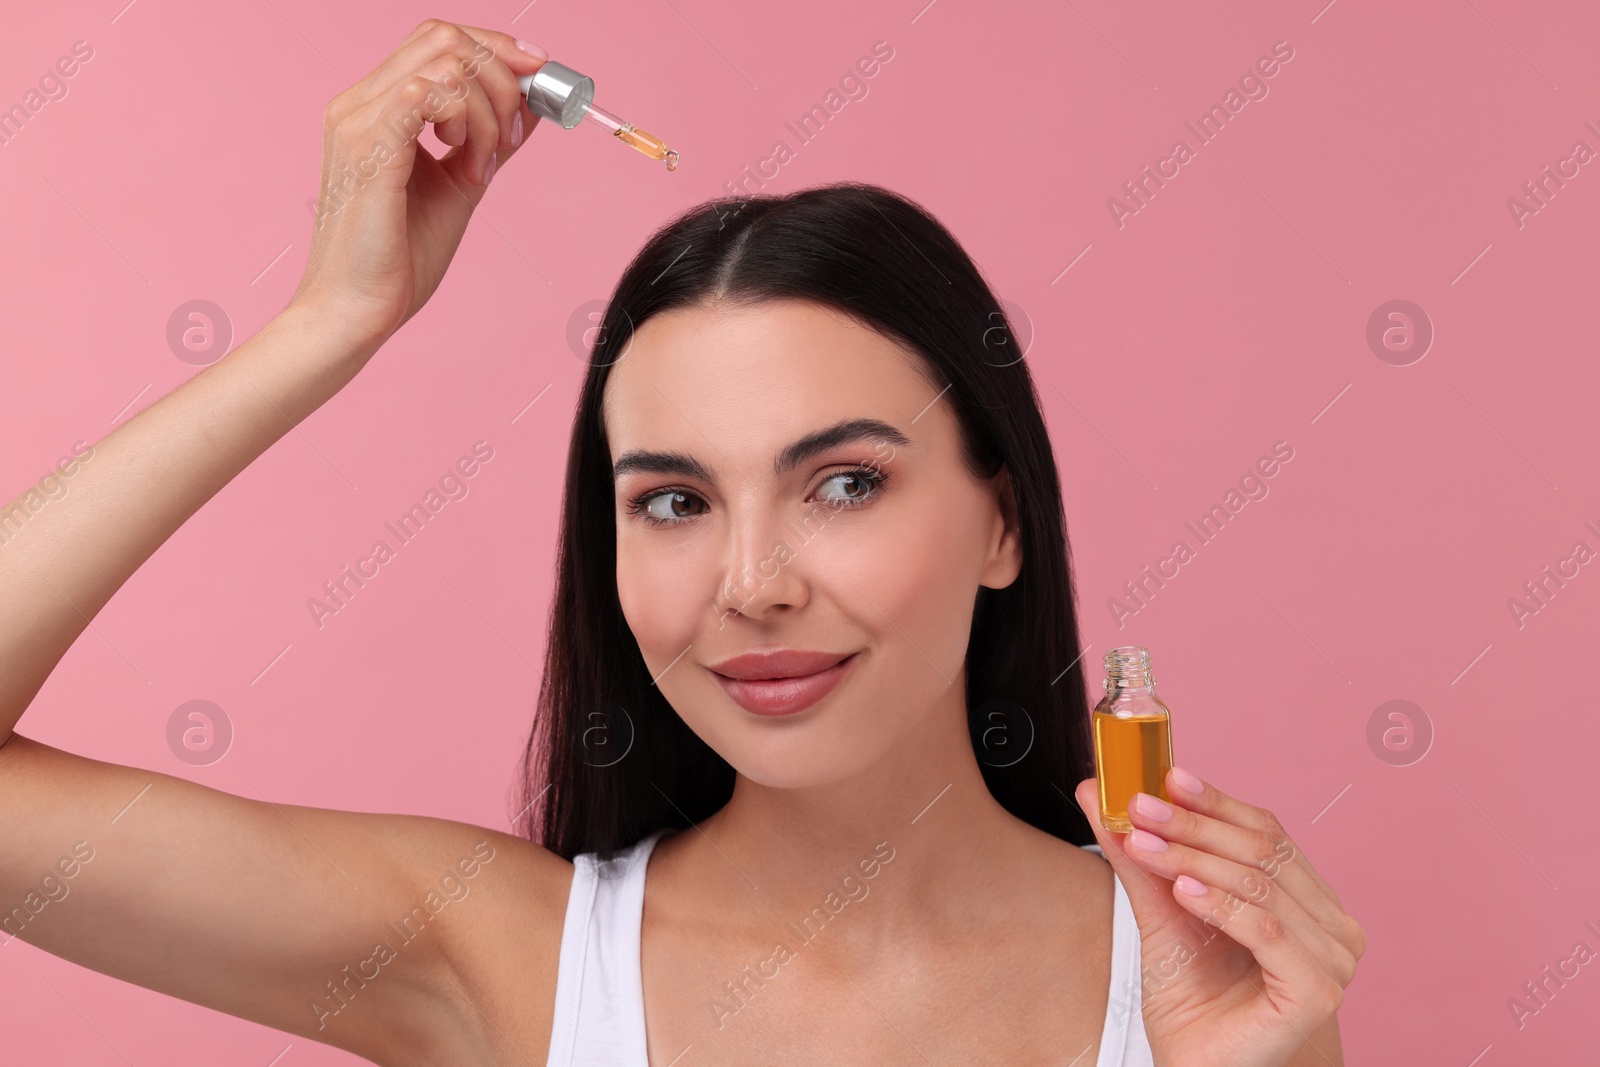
59, 565
257, 908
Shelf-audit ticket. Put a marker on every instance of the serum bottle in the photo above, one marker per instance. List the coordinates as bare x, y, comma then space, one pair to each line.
1132, 736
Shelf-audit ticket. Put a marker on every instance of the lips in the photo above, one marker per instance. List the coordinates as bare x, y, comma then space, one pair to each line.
780, 683
780, 663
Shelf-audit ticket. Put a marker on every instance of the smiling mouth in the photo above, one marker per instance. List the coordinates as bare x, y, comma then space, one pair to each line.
785, 696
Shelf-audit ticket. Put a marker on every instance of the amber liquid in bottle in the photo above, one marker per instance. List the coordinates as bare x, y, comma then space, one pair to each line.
1132, 736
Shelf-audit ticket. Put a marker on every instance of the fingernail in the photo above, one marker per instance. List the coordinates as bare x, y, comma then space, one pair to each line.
1187, 782
488, 173
1152, 807
1146, 842
533, 50
516, 128
1190, 886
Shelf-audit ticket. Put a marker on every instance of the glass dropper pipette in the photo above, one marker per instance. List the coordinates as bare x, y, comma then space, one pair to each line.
556, 91
629, 134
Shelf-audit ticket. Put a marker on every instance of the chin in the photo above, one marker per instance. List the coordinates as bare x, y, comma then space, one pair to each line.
802, 759
774, 775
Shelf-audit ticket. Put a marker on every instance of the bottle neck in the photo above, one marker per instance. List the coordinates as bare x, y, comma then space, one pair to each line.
1128, 671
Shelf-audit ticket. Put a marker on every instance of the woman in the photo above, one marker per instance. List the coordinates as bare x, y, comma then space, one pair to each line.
802, 452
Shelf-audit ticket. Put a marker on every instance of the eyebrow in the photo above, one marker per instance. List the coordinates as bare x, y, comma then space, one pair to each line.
682, 465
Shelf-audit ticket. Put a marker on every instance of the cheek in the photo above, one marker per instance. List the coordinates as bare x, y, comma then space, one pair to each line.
663, 592
938, 593
919, 572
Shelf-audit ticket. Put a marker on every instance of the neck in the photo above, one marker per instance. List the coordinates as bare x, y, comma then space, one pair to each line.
925, 805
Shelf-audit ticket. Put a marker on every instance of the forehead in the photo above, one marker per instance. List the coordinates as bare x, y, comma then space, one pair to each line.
755, 374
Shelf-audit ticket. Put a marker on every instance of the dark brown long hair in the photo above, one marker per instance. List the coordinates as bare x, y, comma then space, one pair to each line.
608, 760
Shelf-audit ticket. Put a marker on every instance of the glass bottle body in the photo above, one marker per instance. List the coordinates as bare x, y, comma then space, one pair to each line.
1132, 737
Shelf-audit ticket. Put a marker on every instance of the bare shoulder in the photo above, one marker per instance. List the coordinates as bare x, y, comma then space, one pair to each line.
504, 943
1079, 880
1066, 907
481, 920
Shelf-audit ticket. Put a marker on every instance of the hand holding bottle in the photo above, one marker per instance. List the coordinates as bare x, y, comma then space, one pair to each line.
1267, 971
390, 215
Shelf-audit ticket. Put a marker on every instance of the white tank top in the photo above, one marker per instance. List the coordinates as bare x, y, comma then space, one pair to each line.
599, 1007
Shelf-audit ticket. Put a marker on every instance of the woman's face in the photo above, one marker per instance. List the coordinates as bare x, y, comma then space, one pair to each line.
756, 549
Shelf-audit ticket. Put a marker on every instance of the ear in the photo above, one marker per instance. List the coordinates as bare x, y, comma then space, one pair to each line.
1004, 561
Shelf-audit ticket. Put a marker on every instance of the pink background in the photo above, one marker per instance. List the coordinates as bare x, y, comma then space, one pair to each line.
1228, 314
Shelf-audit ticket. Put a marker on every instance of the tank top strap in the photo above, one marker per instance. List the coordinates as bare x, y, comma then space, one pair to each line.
1122, 1040
599, 1003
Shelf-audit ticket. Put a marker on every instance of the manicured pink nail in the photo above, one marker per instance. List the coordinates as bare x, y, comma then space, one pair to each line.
1152, 807
488, 172
1187, 782
1190, 886
516, 128
1145, 841
533, 50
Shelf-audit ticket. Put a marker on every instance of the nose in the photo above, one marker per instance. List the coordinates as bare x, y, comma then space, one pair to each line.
762, 574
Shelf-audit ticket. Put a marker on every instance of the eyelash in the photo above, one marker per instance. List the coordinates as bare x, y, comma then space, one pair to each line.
874, 478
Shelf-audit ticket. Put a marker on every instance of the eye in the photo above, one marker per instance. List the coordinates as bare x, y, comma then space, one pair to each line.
860, 485
662, 507
669, 507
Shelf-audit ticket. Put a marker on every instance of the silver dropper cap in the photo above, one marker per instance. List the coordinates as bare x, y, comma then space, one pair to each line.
557, 92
